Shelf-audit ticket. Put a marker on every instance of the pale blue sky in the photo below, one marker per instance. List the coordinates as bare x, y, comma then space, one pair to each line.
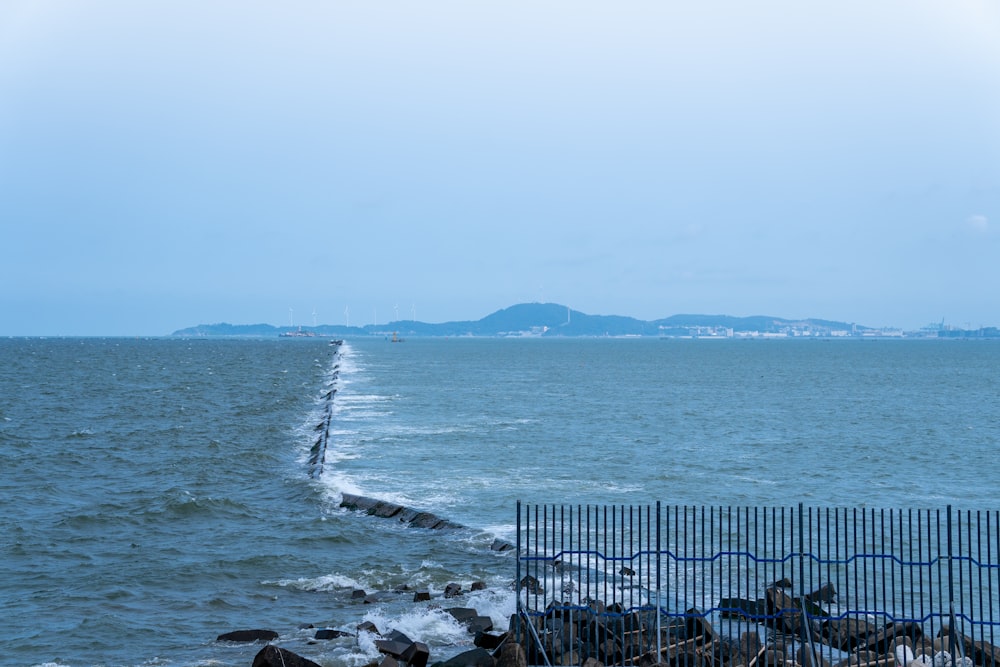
167, 163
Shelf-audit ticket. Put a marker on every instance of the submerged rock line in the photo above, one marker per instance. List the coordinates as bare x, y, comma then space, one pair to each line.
317, 453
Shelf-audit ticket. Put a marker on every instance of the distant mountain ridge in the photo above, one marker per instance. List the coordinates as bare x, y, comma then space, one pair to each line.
549, 320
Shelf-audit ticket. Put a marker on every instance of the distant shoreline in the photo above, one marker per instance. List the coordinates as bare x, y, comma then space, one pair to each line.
548, 320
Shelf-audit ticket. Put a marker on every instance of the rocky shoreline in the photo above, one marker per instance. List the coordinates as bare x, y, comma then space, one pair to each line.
598, 635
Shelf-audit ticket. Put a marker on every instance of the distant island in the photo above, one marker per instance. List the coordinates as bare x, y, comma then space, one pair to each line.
549, 320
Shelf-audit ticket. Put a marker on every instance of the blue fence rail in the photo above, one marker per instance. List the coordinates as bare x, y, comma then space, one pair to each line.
711, 586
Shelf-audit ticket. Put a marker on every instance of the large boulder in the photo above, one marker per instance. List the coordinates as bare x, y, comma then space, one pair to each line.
846, 634
272, 656
417, 654
785, 608
512, 655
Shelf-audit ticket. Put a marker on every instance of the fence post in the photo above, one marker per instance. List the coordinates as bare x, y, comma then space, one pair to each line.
659, 611
517, 581
952, 638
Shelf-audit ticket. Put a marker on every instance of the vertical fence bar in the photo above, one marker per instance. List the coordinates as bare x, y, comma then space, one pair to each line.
659, 587
519, 609
989, 559
951, 586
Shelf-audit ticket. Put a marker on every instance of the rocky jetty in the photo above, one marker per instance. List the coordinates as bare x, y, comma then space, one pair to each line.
773, 634
407, 515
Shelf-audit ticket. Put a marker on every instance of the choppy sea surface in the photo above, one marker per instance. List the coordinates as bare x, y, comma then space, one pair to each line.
158, 492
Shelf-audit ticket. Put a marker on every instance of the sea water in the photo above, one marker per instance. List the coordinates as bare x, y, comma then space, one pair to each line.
158, 492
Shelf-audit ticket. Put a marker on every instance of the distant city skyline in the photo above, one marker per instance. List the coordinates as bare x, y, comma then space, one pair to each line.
170, 163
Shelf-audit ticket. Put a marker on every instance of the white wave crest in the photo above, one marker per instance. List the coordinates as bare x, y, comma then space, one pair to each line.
321, 584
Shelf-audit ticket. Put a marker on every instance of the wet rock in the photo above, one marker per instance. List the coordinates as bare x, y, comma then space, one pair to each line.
748, 647
272, 656
452, 590
531, 585
248, 636
476, 657
426, 520
784, 607
397, 636
500, 545
479, 624
391, 647
417, 654
357, 503
327, 633
848, 633
698, 627
368, 626
489, 641
385, 510
421, 596
825, 593
742, 608
512, 655
462, 614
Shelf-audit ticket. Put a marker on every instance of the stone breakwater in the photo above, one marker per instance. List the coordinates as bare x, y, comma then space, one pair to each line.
774, 633
407, 515
608, 635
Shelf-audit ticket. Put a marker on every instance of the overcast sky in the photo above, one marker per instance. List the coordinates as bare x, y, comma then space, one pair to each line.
168, 163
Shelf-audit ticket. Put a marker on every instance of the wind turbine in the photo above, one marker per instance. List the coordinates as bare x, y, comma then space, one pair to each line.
396, 308
347, 316
314, 317
291, 317
413, 312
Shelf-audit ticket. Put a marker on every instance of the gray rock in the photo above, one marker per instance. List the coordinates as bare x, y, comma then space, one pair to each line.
368, 626
248, 636
476, 657
417, 655
272, 656
825, 593
512, 655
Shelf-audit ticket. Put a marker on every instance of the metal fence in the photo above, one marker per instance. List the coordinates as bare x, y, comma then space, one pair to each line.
708, 586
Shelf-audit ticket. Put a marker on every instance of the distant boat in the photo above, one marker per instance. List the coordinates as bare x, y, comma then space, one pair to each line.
297, 334
396, 338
